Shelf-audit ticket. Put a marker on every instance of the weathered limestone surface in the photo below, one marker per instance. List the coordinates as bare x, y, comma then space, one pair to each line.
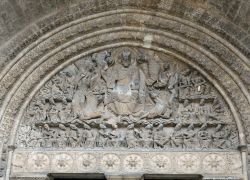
153, 79
17, 14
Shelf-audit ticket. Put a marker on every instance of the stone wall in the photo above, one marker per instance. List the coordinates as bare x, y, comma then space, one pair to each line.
225, 15
40, 38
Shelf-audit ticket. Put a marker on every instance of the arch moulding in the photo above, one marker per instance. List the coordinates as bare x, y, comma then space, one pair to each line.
185, 84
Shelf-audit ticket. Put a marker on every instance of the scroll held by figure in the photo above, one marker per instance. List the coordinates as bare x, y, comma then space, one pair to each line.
128, 98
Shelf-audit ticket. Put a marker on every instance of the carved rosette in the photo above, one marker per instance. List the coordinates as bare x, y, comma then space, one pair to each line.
19, 160
38, 162
62, 162
133, 163
110, 163
188, 163
86, 162
161, 163
214, 163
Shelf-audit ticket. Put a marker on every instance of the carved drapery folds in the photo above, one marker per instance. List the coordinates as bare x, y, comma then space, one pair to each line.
128, 98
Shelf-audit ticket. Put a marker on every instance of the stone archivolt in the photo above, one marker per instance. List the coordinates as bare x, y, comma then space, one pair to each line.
53, 120
128, 98
33, 56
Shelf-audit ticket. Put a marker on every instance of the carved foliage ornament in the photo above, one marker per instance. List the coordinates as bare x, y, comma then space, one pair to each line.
128, 98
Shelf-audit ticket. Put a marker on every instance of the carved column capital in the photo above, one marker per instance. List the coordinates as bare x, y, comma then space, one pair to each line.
243, 148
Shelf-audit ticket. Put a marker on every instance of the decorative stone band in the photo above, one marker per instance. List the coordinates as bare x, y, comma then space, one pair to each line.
29, 178
219, 164
219, 178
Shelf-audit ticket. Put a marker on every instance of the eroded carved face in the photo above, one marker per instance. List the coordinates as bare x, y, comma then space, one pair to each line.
142, 58
46, 126
126, 58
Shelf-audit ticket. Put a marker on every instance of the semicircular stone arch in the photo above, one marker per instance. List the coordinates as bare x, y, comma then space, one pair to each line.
167, 55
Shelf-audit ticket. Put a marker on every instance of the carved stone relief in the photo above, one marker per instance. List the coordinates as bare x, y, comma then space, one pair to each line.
3, 158
129, 162
38, 161
128, 99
